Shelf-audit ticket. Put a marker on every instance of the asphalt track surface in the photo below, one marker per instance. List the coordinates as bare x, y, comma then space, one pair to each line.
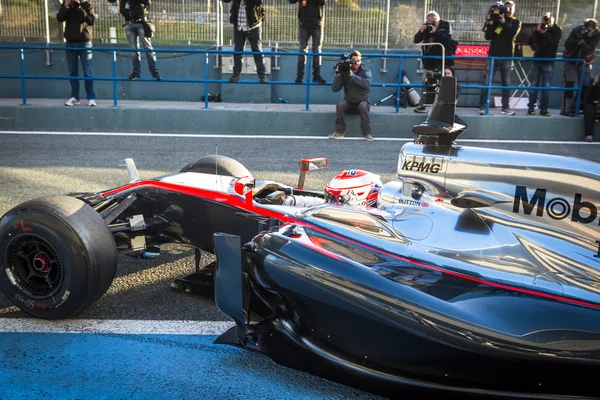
136, 342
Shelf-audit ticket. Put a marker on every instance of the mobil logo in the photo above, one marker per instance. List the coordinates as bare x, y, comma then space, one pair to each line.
557, 208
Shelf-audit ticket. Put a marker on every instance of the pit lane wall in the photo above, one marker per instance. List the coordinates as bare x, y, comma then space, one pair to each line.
255, 109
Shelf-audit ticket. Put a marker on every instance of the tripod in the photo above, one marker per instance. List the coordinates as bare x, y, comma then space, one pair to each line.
403, 98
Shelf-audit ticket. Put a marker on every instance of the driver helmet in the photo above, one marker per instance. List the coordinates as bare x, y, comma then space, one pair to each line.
354, 188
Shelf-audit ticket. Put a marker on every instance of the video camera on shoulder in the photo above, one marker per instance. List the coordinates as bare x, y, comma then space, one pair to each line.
343, 65
497, 10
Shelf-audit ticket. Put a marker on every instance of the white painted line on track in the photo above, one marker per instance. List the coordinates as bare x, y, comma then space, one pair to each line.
288, 137
121, 327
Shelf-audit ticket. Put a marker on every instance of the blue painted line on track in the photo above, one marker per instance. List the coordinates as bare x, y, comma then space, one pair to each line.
111, 366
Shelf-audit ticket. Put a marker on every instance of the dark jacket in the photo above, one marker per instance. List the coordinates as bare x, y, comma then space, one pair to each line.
311, 15
502, 37
591, 95
580, 45
356, 87
255, 12
544, 45
78, 21
134, 10
442, 34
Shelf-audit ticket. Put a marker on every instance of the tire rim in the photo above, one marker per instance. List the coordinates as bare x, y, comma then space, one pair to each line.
35, 265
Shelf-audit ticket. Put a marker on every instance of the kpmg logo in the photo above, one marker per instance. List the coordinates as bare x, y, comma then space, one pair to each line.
556, 208
420, 163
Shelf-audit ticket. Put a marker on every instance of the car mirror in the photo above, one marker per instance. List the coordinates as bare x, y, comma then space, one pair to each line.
310, 164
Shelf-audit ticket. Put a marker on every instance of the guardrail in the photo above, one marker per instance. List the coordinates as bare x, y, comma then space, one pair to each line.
398, 85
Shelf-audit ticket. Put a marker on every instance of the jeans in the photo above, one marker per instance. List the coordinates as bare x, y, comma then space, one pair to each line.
572, 74
135, 35
505, 67
83, 53
317, 42
345, 107
239, 43
589, 118
541, 76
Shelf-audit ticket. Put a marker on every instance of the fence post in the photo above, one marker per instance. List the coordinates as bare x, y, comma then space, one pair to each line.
387, 34
581, 78
47, 30
308, 69
23, 93
399, 89
114, 80
206, 80
489, 88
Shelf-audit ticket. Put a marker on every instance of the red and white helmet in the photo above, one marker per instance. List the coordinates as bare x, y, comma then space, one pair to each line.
354, 188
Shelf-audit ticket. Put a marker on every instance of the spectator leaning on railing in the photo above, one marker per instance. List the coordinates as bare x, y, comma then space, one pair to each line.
501, 29
139, 29
247, 17
78, 18
581, 43
310, 24
355, 78
544, 43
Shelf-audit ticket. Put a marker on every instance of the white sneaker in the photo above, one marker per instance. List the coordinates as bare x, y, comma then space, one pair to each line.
92, 103
72, 101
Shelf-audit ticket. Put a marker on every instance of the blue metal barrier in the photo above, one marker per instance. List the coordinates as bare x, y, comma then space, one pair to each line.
398, 85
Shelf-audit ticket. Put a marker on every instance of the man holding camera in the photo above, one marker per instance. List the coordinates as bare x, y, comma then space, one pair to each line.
246, 18
355, 78
139, 29
310, 18
501, 29
581, 43
544, 43
591, 109
79, 19
434, 30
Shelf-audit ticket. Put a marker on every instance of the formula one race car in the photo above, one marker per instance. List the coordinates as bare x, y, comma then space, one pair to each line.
477, 272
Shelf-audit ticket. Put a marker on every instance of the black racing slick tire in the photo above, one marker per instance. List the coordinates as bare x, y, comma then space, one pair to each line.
57, 256
221, 165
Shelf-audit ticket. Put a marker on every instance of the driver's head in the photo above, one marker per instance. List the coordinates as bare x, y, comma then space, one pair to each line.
354, 188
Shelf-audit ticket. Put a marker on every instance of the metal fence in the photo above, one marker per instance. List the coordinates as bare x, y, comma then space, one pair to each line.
348, 23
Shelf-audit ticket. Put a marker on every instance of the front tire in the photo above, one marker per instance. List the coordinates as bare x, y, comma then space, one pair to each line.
58, 256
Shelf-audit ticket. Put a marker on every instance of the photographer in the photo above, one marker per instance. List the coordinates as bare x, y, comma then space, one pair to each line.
247, 17
501, 29
544, 43
591, 109
433, 30
79, 19
310, 18
355, 78
139, 29
581, 43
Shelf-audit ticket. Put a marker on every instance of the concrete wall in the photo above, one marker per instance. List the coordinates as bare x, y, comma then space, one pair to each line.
192, 66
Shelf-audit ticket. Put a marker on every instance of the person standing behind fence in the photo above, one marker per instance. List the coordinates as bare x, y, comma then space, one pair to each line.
310, 20
501, 30
79, 19
434, 30
139, 29
544, 43
581, 43
247, 17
